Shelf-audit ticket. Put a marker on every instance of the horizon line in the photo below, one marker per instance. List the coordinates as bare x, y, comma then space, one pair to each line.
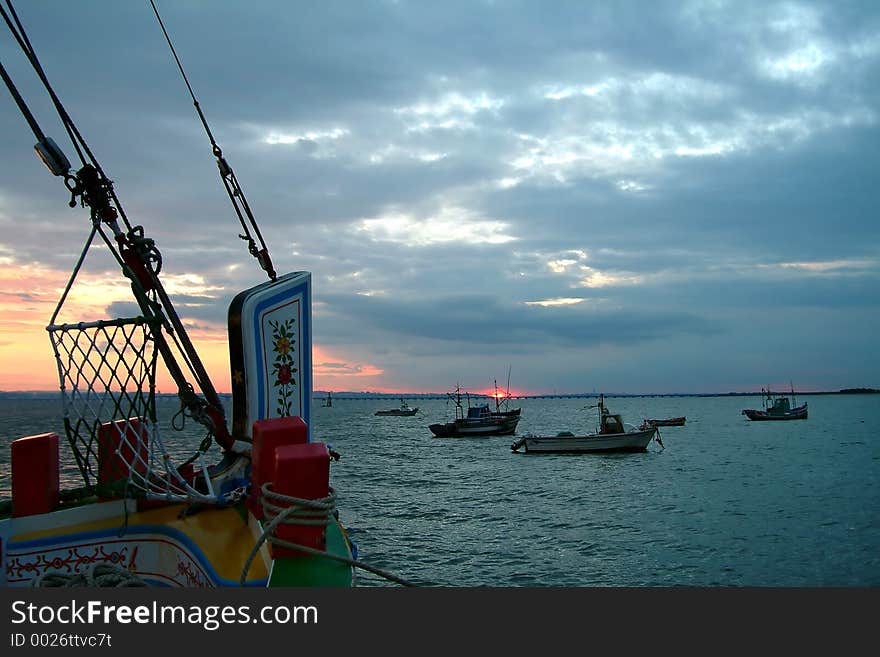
368, 393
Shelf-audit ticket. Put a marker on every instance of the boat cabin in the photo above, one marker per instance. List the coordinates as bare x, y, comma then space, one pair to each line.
479, 412
780, 405
612, 424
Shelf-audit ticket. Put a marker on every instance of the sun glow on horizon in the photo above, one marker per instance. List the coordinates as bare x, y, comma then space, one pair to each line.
499, 394
28, 298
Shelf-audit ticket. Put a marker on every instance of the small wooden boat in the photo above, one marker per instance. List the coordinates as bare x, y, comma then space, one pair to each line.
777, 407
612, 435
404, 410
669, 422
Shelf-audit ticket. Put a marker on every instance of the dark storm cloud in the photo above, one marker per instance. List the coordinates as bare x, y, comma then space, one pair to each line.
483, 320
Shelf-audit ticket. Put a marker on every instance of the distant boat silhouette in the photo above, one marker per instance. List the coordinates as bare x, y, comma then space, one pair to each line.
404, 410
777, 407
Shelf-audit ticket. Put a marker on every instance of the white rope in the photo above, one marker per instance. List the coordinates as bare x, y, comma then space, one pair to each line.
301, 511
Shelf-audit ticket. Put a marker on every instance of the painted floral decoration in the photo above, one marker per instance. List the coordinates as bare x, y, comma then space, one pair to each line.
282, 367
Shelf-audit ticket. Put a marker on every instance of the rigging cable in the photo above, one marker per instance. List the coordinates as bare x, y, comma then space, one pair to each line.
20, 35
233, 189
138, 256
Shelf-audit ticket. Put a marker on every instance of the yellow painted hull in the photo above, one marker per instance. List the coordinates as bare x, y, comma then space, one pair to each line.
172, 545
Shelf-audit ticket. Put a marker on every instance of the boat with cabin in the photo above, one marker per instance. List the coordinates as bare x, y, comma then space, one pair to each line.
611, 435
777, 407
403, 410
252, 504
502, 402
478, 420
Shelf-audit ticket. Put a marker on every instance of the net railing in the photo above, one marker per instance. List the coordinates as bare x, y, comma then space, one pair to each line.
107, 371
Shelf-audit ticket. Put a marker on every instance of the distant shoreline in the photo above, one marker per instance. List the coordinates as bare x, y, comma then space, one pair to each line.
356, 396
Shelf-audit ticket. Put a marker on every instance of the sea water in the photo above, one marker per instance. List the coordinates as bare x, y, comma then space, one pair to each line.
725, 501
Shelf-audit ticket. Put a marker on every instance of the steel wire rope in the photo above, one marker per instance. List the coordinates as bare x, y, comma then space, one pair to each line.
159, 301
230, 181
300, 511
77, 140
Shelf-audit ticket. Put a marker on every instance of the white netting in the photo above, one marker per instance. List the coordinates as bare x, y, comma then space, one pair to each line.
108, 378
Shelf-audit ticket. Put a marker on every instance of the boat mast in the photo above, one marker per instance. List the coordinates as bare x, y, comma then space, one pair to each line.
603, 412
459, 412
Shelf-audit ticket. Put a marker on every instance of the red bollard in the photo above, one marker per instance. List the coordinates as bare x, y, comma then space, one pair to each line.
301, 471
36, 479
269, 434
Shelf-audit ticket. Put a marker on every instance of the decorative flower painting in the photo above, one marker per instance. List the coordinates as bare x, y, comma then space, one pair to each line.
283, 370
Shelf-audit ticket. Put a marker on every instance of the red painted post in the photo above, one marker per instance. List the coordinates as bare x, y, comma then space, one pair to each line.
36, 479
267, 435
301, 471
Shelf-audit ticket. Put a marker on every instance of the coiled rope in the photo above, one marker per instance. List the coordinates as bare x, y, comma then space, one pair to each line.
103, 575
285, 509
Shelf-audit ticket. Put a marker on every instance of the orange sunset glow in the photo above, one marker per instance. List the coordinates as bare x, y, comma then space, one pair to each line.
28, 297
497, 394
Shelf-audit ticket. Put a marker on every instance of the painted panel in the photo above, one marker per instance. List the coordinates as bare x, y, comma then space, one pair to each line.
270, 342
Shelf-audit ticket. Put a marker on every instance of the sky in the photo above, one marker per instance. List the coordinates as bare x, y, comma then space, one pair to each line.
631, 197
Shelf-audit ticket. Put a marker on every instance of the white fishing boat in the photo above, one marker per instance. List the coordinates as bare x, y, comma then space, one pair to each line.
611, 435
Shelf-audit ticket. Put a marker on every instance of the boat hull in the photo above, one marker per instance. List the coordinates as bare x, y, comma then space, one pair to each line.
671, 422
399, 413
799, 413
161, 547
466, 429
633, 441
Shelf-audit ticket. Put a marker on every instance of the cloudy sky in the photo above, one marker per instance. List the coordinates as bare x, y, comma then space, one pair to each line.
637, 197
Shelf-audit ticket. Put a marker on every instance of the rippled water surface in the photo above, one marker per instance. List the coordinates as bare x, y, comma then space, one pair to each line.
727, 502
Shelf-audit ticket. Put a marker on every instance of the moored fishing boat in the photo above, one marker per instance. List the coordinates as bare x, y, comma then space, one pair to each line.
776, 408
502, 402
611, 435
478, 421
403, 411
252, 505
668, 422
